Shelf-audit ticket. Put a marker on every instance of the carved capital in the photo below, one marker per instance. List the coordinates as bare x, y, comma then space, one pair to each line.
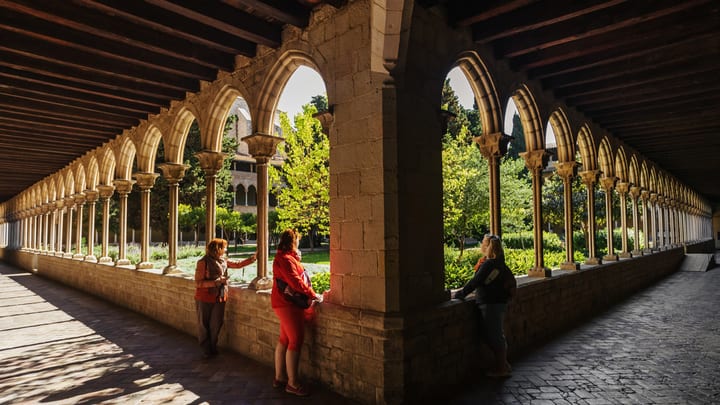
59, 204
91, 195
566, 170
653, 197
262, 145
69, 202
105, 191
589, 177
123, 186
635, 192
622, 187
145, 181
535, 159
489, 144
326, 119
211, 161
173, 172
79, 198
608, 183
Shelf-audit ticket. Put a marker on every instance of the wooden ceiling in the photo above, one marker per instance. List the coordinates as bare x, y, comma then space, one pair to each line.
74, 74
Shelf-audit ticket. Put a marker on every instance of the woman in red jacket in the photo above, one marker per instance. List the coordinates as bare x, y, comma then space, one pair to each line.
210, 296
287, 270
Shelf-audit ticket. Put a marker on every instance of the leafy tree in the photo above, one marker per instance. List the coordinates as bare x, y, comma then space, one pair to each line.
516, 196
302, 185
191, 218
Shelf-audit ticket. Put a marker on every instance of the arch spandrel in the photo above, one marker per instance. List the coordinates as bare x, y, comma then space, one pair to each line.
483, 87
530, 119
174, 141
563, 136
605, 159
586, 149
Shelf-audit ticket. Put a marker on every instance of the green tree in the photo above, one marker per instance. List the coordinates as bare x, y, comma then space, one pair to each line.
191, 218
302, 185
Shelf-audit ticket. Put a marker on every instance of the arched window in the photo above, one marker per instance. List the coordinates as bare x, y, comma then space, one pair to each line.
252, 196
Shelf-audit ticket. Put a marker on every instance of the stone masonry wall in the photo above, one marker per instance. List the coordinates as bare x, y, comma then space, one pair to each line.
367, 355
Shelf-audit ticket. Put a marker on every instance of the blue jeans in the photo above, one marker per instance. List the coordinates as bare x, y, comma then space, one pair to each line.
492, 322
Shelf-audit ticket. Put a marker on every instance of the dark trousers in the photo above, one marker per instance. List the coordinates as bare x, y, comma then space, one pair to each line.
210, 320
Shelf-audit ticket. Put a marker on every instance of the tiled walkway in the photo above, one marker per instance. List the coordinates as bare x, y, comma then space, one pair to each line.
62, 346
58, 345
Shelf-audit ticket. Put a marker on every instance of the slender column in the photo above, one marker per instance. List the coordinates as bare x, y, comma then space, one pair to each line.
653, 220
53, 228
61, 214
80, 204
145, 181
91, 196
173, 173
38, 229
566, 171
661, 222
589, 178
46, 229
493, 147
262, 147
646, 220
70, 204
123, 188
211, 162
634, 194
608, 185
535, 161
622, 190
105, 192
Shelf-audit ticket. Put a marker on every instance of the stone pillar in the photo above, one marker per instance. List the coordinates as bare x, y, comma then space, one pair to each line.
70, 204
491, 148
566, 171
123, 188
172, 173
589, 178
61, 214
145, 181
653, 220
646, 221
608, 185
53, 228
211, 162
46, 228
535, 161
91, 196
634, 194
262, 147
79, 203
661, 222
37, 231
622, 190
105, 192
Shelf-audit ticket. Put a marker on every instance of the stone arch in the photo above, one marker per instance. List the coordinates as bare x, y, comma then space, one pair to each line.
621, 166
644, 176
106, 166
634, 171
483, 88
79, 177
174, 140
43, 194
530, 118
653, 180
91, 171
52, 192
219, 109
563, 136
146, 146
124, 156
586, 148
274, 84
69, 182
605, 158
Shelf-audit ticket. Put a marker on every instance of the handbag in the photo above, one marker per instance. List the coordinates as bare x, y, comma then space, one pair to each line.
296, 298
220, 292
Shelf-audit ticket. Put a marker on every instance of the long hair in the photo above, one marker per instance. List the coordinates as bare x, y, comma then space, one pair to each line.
287, 240
494, 249
214, 246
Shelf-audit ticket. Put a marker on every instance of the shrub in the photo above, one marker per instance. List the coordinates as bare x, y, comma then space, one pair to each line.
321, 282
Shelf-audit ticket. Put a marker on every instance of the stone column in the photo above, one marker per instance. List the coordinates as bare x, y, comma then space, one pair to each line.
262, 147
211, 162
491, 147
634, 194
622, 190
535, 161
60, 204
589, 178
105, 192
37, 215
566, 171
46, 228
91, 196
123, 188
80, 203
52, 208
172, 173
661, 222
145, 181
608, 185
70, 204
653, 220
646, 220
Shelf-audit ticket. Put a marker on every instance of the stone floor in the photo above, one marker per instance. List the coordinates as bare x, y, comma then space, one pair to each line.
61, 346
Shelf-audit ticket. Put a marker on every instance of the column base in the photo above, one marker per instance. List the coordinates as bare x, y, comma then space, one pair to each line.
647, 251
144, 266
59, 254
67, 255
105, 260
172, 270
592, 261
78, 256
637, 253
539, 272
611, 258
91, 258
261, 283
124, 263
626, 255
570, 266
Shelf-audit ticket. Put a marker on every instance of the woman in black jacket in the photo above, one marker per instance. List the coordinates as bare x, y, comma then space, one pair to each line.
494, 285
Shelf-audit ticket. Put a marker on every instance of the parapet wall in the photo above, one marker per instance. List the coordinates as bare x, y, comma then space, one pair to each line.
367, 355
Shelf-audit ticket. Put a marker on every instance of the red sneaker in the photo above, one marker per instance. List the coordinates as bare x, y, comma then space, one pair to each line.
299, 390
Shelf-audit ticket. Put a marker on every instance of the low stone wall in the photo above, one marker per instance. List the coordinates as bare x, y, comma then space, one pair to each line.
366, 355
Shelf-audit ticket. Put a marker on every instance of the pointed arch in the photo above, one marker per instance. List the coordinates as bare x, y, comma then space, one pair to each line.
174, 141
605, 158
483, 87
563, 136
69, 182
124, 156
211, 139
146, 145
91, 171
586, 148
644, 176
634, 171
80, 182
621, 166
529, 118
106, 165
